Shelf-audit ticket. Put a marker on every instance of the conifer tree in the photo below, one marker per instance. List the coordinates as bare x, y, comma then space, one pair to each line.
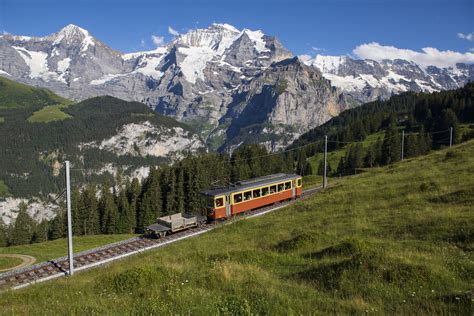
3, 234
378, 151
108, 211
301, 162
370, 158
354, 157
169, 192
308, 170
391, 145
193, 188
23, 229
57, 227
133, 196
180, 198
412, 145
41, 232
446, 120
76, 213
150, 203
123, 224
89, 205
341, 167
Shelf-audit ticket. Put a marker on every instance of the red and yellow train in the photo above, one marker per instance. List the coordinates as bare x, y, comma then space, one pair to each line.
252, 194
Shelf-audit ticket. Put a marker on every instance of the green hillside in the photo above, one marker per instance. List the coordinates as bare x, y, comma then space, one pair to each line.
39, 129
394, 240
14, 95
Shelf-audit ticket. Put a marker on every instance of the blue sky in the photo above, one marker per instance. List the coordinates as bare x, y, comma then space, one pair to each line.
334, 27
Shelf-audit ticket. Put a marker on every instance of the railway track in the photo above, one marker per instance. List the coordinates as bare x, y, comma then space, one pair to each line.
59, 267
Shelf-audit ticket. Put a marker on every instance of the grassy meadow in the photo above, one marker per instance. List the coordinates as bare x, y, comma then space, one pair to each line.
395, 240
49, 113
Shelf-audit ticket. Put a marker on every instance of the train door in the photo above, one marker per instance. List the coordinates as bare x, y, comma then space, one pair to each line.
293, 188
227, 206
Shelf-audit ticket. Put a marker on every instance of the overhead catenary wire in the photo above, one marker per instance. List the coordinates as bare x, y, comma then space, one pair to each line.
59, 196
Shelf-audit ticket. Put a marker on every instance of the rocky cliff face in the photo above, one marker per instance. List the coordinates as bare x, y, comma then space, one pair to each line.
279, 104
221, 80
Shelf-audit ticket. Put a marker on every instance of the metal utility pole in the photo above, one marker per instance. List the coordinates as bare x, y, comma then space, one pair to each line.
450, 137
69, 219
403, 143
325, 179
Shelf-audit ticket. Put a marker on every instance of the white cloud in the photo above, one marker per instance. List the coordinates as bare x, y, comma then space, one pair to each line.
142, 43
172, 31
317, 49
471, 49
428, 56
467, 37
158, 40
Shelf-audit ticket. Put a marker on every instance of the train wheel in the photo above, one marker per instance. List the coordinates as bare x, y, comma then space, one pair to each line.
162, 234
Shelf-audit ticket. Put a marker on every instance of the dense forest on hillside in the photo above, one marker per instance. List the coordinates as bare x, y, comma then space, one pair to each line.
30, 150
425, 118
412, 110
131, 206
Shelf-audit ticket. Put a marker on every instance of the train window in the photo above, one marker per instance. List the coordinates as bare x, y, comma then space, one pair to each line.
247, 195
288, 185
238, 198
220, 202
256, 193
298, 182
273, 189
264, 191
280, 187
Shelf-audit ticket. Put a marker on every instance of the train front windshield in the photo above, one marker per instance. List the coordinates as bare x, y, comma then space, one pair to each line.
209, 204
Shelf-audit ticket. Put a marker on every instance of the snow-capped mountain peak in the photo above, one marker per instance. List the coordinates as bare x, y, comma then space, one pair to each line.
72, 34
226, 26
366, 80
328, 64
217, 37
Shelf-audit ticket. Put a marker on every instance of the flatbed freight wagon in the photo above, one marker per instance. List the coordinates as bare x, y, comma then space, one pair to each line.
174, 223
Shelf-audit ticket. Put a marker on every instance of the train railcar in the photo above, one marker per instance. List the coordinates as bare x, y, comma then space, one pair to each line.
251, 194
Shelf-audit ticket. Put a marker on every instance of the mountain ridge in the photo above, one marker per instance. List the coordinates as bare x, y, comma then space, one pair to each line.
199, 76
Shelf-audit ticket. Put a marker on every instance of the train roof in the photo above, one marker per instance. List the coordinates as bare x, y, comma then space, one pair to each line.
255, 182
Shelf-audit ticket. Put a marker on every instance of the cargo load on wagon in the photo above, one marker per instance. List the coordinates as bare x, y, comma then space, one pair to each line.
174, 223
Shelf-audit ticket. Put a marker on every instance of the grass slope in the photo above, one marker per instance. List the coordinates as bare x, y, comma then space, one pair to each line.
395, 240
14, 95
58, 248
49, 113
